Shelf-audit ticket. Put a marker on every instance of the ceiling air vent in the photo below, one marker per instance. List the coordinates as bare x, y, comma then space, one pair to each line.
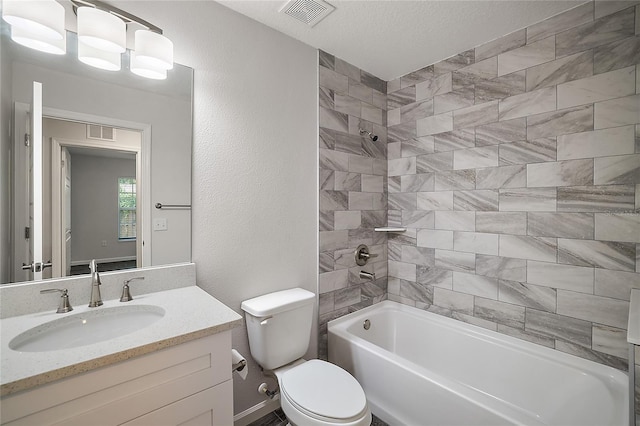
308, 11
95, 131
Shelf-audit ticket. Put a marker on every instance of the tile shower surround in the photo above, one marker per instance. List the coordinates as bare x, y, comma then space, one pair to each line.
515, 168
353, 189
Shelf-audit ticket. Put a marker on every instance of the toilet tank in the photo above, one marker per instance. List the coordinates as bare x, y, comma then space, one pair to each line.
279, 326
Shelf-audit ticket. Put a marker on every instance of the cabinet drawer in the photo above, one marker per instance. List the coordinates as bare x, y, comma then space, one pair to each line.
213, 406
126, 390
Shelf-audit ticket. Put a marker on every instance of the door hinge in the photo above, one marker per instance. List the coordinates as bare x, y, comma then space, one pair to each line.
27, 233
27, 139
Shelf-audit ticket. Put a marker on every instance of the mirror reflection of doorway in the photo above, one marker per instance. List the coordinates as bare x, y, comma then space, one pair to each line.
93, 196
73, 131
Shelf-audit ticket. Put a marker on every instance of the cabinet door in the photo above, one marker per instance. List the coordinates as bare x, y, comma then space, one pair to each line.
123, 391
213, 406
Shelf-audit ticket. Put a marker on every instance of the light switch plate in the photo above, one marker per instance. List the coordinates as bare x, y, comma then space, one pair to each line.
160, 224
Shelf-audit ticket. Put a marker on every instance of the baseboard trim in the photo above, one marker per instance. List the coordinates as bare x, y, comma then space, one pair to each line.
259, 410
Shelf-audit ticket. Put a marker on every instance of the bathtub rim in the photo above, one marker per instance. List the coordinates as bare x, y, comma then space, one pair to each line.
614, 379
339, 326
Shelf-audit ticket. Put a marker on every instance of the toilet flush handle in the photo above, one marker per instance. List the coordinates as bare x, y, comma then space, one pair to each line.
265, 319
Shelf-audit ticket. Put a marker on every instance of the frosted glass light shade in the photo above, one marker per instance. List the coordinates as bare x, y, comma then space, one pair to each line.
154, 50
101, 30
44, 18
145, 70
109, 61
38, 42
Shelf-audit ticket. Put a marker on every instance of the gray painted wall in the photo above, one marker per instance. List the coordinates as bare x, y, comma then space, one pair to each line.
94, 207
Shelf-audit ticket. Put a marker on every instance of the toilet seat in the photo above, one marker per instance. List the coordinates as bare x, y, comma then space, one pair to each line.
324, 391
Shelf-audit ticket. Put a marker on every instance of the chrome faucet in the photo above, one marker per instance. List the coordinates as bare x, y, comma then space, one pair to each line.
126, 294
65, 306
368, 275
96, 299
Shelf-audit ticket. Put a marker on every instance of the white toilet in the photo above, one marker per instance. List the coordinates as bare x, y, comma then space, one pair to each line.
312, 393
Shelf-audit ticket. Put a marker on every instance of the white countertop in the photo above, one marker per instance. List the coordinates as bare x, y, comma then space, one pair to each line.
190, 313
633, 327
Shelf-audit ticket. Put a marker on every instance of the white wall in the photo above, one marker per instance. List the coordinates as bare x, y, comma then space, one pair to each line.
94, 207
254, 159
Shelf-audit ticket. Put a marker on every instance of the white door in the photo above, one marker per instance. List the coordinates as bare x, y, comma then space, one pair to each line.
66, 211
34, 262
20, 234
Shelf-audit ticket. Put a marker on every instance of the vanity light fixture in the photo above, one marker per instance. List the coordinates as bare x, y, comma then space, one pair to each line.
36, 24
147, 71
108, 61
153, 50
38, 42
153, 54
43, 18
101, 30
40, 24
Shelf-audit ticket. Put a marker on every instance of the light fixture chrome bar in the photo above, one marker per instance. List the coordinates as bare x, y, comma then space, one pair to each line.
125, 16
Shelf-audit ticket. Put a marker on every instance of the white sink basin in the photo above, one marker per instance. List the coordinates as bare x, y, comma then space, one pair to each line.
86, 328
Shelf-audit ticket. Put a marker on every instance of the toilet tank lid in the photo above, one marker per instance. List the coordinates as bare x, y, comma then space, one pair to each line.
274, 303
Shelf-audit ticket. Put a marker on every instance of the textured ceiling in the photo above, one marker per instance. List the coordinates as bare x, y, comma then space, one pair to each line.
391, 38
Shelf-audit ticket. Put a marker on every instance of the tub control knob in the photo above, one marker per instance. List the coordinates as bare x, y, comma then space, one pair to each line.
362, 255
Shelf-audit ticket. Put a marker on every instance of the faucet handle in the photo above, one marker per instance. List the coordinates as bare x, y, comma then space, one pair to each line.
362, 255
126, 295
64, 306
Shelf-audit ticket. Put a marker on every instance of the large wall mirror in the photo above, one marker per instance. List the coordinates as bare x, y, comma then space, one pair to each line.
114, 145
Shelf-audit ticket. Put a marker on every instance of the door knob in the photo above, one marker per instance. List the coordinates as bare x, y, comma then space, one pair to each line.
36, 266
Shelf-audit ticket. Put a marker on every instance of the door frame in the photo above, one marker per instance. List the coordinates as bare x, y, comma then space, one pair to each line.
57, 179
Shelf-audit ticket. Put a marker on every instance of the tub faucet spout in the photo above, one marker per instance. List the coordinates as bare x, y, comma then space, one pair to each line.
96, 299
368, 275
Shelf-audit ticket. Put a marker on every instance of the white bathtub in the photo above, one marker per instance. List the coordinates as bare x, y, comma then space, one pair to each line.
419, 368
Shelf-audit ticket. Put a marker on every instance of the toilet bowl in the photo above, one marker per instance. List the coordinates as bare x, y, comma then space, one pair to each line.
317, 393
312, 393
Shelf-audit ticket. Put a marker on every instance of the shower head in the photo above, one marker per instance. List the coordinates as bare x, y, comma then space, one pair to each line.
371, 135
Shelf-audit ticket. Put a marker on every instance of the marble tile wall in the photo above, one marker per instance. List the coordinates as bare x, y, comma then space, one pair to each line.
353, 188
515, 168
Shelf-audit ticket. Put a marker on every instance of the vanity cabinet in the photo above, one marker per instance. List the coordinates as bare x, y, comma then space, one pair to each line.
187, 384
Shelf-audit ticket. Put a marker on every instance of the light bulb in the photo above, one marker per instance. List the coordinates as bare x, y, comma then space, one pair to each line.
144, 70
101, 30
38, 42
98, 58
153, 50
45, 18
